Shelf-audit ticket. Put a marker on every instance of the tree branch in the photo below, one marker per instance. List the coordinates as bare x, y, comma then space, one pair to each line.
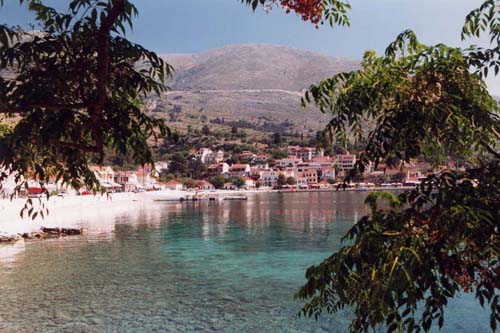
115, 9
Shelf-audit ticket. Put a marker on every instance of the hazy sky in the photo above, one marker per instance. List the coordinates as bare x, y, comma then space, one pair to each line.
185, 26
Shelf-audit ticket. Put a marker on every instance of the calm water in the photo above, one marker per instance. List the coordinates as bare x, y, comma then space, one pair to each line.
209, 267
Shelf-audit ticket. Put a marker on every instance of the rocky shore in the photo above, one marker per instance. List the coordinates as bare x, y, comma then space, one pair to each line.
43, 233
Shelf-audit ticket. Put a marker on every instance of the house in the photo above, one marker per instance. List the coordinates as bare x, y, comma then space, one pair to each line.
204, 155
376, 177
288, 162
204, 185
145, 179
308, 165
261, 158
270, 178
249, 182
207, 156
324, 161
104, 174
106, 177
128, 180
230, 186
304, 153
256, 173
261, 166
311, 175
174, 185
345, 161
246, 155
217, 169
8, 185
215, 157
327, 173
161, 166
301, 180
239, 170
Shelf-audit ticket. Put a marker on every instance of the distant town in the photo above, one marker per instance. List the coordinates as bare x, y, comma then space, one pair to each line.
301, 168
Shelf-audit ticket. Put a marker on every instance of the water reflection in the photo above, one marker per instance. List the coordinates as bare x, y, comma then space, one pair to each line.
209, 266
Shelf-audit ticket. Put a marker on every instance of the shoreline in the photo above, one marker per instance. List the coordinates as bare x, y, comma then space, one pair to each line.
72, 211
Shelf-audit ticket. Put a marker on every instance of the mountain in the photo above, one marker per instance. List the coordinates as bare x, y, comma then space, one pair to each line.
254, 67
247, 82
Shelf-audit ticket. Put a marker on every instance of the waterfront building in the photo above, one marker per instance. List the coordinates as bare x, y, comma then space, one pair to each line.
345, 161
311, 175
239, 170
174, 185
230, 186
301, 180
128, 180
204, 185
327, 173
146, 179
270, 178
249, 182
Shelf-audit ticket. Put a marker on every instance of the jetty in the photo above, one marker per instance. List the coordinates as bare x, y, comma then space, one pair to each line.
213, 197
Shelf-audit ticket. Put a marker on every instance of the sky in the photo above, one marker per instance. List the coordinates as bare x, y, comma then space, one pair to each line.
187, 26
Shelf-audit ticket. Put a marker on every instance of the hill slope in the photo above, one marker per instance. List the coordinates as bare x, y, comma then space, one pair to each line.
253, 67
247, 82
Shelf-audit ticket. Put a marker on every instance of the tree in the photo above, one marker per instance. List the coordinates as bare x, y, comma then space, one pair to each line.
78, 85
277, 138
196, 168
178, 164
77, 89
239, 182
217, 181
291, 181
278, 154
281, 180
206, 130
407, 258
315, 11
189, 183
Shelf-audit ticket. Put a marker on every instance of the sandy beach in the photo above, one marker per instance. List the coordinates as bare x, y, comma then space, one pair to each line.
70, 211
64, 212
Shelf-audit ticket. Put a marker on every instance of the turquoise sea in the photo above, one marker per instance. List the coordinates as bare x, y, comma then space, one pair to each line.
229, 266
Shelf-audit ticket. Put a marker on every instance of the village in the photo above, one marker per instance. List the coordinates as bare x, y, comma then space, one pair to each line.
304, 169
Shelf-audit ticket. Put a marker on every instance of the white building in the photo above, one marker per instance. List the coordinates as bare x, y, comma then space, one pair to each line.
217, 169
128, 180
288, 162
270, 178
345, 161
174, 185
304, 153
239, 170
161, 166
203, 154
216, 157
